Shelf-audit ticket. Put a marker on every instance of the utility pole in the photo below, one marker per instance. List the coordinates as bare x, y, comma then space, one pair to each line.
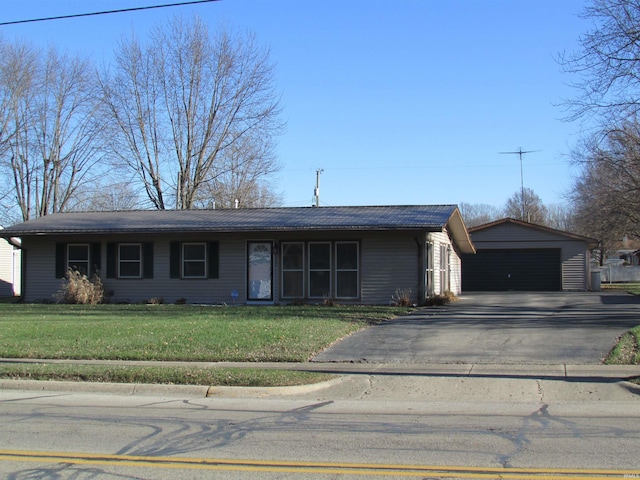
521, 152
316, 191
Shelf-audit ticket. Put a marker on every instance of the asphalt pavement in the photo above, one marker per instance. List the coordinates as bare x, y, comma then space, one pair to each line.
507, 328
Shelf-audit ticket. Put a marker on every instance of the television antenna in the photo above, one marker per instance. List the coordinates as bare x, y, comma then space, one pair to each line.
520, 153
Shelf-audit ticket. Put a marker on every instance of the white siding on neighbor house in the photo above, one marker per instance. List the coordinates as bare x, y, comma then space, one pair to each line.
9, 269
574, 252
388, 261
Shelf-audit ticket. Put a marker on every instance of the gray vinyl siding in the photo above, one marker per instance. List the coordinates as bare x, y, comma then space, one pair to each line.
574, 267
40, 269
388, 261
574, 253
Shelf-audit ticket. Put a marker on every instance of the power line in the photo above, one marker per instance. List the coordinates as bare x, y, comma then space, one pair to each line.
106, 12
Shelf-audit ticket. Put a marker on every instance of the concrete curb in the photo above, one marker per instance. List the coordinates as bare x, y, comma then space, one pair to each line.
144, 389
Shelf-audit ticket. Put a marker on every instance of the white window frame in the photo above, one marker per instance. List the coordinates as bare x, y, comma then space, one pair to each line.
357, 269
138, 261
204, 260
70, 260
328, 270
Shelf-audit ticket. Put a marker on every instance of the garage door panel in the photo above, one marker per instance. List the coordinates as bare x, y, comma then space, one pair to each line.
520, 270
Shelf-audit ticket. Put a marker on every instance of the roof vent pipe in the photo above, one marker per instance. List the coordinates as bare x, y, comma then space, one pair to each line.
237, 202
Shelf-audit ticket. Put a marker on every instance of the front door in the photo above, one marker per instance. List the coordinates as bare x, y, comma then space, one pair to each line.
260, 271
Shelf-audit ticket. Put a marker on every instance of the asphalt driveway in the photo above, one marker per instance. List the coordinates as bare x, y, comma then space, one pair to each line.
498, 328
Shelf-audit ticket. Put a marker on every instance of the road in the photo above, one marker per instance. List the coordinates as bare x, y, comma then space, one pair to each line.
359, 426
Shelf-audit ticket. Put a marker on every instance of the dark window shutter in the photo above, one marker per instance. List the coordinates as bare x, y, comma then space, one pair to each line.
147, 259
112, 260
61, 260
174, 259
95, 259
214, 260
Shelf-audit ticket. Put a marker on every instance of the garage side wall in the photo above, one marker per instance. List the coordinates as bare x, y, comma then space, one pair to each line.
510, 236
447, 271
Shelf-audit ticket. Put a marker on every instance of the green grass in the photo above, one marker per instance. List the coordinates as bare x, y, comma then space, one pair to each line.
249, 377
178, 332
626, 351
633, 288
175, 333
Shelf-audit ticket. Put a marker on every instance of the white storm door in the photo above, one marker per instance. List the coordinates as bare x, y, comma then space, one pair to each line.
260, 271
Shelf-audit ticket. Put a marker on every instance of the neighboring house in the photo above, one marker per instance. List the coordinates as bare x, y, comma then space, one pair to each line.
516, 255
623, 257
9, 268
278, 255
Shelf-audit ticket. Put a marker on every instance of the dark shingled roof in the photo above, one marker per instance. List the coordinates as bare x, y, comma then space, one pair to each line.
422, 217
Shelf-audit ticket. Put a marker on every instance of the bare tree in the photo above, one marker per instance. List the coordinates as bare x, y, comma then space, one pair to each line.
607, 65
242, 175
53, 132
561, 217
606, 195
527, 207
182, 101
107, 195
475, 214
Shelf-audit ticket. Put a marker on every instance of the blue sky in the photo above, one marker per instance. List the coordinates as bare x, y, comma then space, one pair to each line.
398, 101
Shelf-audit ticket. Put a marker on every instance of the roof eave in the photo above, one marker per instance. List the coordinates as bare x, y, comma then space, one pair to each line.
459, 233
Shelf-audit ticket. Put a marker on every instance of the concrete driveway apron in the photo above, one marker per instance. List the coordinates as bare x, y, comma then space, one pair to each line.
498, 328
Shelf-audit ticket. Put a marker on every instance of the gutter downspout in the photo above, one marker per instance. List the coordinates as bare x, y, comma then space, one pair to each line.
421, 272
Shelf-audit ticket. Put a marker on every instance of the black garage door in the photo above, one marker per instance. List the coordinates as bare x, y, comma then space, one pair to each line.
521, 270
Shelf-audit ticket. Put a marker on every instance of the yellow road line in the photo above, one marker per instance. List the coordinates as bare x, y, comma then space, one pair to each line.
328, 468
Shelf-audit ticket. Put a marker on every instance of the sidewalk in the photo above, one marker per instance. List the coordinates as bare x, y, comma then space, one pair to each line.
401, 381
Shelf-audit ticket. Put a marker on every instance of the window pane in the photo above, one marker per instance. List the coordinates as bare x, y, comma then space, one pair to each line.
292, 284
292, 256
347, 256
194, 269
320, 256
194, 251
78, 258
82, 267
130, 269
319, 284
78, 253
130, 253
347, 285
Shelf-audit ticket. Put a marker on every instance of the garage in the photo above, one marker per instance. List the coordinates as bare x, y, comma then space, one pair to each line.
518, 256
519, 270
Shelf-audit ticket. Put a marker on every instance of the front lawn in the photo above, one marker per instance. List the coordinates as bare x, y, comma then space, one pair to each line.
175, 333
179, 332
